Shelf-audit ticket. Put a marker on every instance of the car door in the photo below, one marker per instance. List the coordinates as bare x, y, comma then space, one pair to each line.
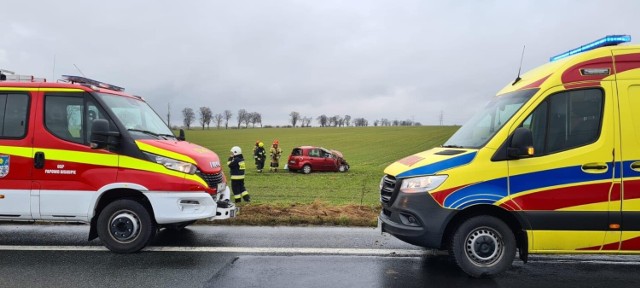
16, 135
565, 190
68, 171
316, 159
328, 162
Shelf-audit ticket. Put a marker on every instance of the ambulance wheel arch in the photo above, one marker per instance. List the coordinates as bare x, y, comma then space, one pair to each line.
473, 220
483, 246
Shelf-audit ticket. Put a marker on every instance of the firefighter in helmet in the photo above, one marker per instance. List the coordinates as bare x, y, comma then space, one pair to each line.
237, 166
260, 155
275, 153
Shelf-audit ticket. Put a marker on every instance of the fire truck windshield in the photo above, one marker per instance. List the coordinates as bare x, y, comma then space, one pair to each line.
136, 116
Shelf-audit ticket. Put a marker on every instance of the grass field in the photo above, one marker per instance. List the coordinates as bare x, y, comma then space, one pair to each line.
367, 149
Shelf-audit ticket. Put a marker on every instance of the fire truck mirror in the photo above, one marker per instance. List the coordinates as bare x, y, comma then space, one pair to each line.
100, 134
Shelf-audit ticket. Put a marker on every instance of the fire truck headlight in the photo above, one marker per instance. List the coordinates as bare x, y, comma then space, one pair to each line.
422, 184
172, 164
221, 187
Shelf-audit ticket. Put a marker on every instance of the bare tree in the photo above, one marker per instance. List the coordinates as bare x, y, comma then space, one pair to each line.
360, 122
334, 120
295, 117
347, 120
253, 118
189, 117
227, 115
242, 115
258, 118
247, 119
323, 120
205, 116
306, 121
217, 119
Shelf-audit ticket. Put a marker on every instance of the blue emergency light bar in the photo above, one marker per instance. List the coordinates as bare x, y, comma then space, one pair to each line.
609, 40
87, 81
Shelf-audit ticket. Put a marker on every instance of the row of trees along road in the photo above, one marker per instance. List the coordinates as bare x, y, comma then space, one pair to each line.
340, 121
206, 117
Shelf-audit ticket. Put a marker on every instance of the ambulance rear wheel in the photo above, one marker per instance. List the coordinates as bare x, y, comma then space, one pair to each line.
483, 246
125, 226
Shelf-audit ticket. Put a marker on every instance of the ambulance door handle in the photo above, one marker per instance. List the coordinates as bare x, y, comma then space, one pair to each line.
38, 160
595, 168
635, 166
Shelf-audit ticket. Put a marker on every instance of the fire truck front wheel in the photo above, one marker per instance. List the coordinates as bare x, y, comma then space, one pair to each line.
125, 226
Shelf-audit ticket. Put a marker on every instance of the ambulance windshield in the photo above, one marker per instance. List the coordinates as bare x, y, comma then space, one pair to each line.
136, 116
488, 121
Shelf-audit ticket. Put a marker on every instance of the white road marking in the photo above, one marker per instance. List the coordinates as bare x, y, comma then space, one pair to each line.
258, 250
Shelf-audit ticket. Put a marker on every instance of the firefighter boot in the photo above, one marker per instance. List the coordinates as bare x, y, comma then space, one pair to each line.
246, 197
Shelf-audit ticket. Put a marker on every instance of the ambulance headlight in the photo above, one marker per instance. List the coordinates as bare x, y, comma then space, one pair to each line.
172, 164
422, 184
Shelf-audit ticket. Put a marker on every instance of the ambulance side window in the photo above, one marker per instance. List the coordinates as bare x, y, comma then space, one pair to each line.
13, 115
566, 120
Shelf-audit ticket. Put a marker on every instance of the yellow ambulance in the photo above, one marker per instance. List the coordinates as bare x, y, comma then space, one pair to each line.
549, 165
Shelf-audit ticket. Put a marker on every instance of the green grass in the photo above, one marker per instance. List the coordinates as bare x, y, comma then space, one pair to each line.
367, 149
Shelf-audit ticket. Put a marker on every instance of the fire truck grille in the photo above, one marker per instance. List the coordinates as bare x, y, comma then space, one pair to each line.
211, 179
387, 188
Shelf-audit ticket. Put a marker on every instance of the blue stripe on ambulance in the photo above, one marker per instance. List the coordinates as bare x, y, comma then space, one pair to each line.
491, 191
438, 166
487, 192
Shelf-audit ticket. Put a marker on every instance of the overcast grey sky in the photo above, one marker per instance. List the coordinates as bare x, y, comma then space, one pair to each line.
396, 59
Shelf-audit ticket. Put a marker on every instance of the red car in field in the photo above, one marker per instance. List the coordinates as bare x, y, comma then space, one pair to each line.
311, 158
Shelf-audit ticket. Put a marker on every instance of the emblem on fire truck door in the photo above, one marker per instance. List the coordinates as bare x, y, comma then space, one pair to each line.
4, 165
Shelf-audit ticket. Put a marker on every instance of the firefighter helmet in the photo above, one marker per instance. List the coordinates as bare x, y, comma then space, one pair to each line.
235, 150
260, 144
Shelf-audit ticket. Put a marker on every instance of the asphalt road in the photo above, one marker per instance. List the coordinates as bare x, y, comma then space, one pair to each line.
231, 256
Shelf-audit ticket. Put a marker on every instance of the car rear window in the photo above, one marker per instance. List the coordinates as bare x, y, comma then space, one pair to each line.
296, 152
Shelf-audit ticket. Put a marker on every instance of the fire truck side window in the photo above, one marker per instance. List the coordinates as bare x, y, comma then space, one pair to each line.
13, 115
63, 116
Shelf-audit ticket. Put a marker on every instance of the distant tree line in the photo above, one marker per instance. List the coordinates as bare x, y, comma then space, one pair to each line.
206, 117
387, 122
243, 117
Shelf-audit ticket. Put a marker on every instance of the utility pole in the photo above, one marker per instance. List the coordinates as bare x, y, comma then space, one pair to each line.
169, 115
441, 117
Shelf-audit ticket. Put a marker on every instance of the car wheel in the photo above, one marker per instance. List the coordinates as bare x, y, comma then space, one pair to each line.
125, 226
306, 169
343, 168
483, 246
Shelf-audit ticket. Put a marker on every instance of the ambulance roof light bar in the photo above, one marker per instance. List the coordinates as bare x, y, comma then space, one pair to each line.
87, 81
609, 40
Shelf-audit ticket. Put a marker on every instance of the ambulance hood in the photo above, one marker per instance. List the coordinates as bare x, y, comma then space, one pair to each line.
206, 160
430, 162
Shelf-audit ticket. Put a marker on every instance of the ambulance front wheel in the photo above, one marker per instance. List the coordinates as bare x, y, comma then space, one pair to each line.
483, 246
125, 226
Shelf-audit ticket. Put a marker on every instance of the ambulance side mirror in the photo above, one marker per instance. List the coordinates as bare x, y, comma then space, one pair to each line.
100, 134
521, 144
